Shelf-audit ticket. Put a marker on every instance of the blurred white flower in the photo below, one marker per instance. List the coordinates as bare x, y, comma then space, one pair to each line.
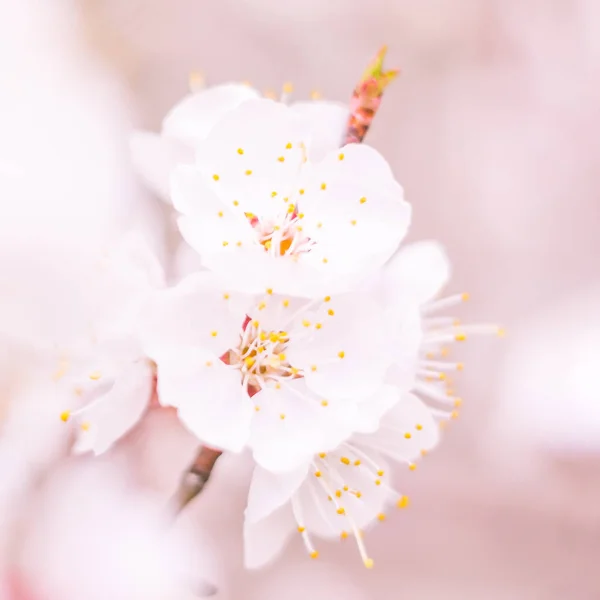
288, 376
264, 218
191, 120
339, 492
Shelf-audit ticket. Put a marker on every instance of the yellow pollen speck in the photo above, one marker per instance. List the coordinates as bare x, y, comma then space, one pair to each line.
318, 325
322, 454
220, 213
377, 482
248, 172
338, 493
460, 337
418, 427
249, 361
423, 452
412, 467
345, 460
380, 473
306, 323
281, 158
341, 156
407, 436
301, 215
291, 209
262, 305
282, 416
343, 535
341, 354
323, 186
319, 225
255, 323
464, 297
277, 386
324, 403
369, 563
85, 426
403, 502
313, 368
274, 337
358, 494
301, 192
214, 333
454, 414
216, 177
240, 151
341, 511
314, 554
381, 516
95, 375
363, 200
457, 402
282, 357
317, 473
353, 222
327, 298
225, 243
288, 146
460, 366
430, 355
64, 416
301, 529
273, 194
316, 95
288, 87
269, 291
331, 312
357, 463
294, 370
225, 296
286, 303
444, 351
501, 332
236, 203
270, 94
442, 376
238, 244
257, 408
345, 488
268, 244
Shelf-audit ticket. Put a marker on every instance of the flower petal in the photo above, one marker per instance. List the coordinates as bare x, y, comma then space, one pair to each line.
371, 410
117, 411
264, 540
328, 122
269, 491
154, 157
195, 115
210, 399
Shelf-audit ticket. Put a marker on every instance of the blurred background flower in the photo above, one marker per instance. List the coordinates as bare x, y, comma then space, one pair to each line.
492, 128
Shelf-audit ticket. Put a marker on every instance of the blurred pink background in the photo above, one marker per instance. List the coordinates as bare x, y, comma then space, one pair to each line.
493, 131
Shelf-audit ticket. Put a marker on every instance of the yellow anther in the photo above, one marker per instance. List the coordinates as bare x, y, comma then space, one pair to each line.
445, 351
95, 375
286, 303
257, 408
269, 291
214, 333
240, 151
454, 414
460, 366
208, 363
301, 215
353, 222
274, 337
338, 493
273, 194
301, 529
357, 463
380, 473
323, 186
358, 494
318, 325
412, 467
322, 454
341, 354
327, 299
313, 368
78, 391
319, 225
331, 312
255, 323
225, 243
317, 473
248, 172
345, 460
457, 402
85, 426
460, 337
294, 370
418, 427
288, 87
403, 502
249, 361
442, 376
262, 305
314, 554
225, 296
64, 416
324, 403
423, 452
291, 209
301, 192
407, 435
341, 156
456, 322
220, 213
288, 146
464, 297
343, 535
430, 355
236, 203
247, 83
377, 482
267, 244
363, 200
316, 95
196, 81
270, 94
263, 336
281, 357
306, 323
282, 416
369, 563
281, 159
216, 177
501, 332
341, 511
381, 516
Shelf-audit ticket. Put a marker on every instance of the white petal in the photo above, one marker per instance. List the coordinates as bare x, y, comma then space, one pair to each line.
328, 123
193, 117
210, 399
410, 416
371, 410
117, 411
418, 271
269, 491
265, 539
154, 157
197, 313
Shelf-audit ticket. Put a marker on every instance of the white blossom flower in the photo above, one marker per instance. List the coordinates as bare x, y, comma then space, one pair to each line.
104, 380
286, 376
263, 218
339, 492
192, 118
